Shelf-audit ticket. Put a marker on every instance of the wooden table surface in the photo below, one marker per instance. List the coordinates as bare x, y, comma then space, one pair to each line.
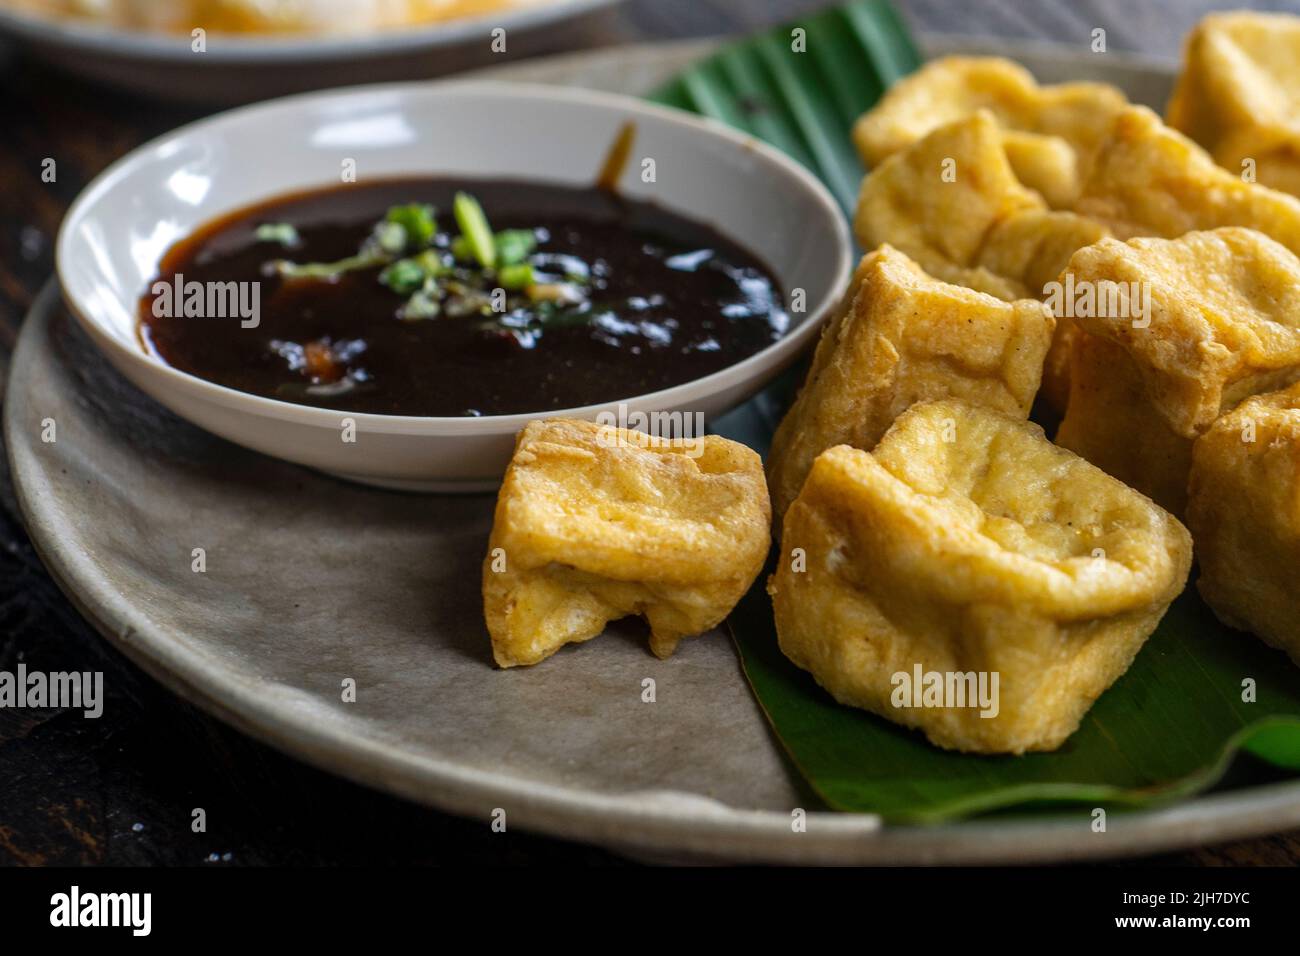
118, 790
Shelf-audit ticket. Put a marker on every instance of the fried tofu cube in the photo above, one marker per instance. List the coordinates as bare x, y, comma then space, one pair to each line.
952, 202
1046, 164
1147, 179
900, 338
1110, 421
595, 523
1150, 180
979, 227
1034, 246
1050, 132
1037, 246
1209, 319
939, 92
938, 200
969, 547
1239, 94
1244, 511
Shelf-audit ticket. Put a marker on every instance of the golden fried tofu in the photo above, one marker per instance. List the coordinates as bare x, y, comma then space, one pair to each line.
938, 200
1239, 94
952, 202
969, 547
1244, 509
1050, 132
982, 229
903, 337
1110, 421
1212, 318
1037, 246
1046, 164
595, 523
1034, 246
1150, 180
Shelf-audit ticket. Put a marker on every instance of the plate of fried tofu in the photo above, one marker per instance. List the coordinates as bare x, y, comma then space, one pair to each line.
1061, 389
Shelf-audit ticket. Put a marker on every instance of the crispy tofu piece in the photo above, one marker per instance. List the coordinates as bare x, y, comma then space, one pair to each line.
1150, 180
1050, 132
967, 544
1225, 312
1110, 422
986, 231
1035, 246
1223, 324
983, 230
595, 523
1046, 164
1239, 94
952, 202
938, 200
903, 337
1244, 510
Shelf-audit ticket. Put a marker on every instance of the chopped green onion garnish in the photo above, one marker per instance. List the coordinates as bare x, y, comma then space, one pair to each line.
436, 281
432, 264
326, 271
391, 237
417, 219
404, 276
563, 293
514, 246
422, 305
516, 277
281, 232
475, 229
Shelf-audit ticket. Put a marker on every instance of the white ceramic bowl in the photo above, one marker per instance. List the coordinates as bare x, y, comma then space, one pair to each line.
118, 229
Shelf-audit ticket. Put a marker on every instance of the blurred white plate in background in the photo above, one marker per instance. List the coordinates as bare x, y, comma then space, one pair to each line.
239, 67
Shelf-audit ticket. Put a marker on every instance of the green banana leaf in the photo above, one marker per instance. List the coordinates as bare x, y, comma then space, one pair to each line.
1168, 728
801, 91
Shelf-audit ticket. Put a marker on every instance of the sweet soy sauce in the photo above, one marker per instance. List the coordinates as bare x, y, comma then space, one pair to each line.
668, 300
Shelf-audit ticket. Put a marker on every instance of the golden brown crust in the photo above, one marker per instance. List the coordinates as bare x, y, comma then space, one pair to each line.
1238, 95
980, 227
594, 523
1225, 309
938, 201
988, 232
903, 337
1223, 323
1244, 509
1111, 422
1049, 132
967, 542
1150, 180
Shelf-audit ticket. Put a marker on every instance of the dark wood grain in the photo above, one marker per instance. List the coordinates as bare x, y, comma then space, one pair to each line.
120, 790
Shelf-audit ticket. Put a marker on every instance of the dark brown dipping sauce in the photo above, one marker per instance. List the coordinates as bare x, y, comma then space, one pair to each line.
668, 300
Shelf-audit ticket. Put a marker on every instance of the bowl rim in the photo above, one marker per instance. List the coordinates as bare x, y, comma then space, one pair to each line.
261, 50
673, 396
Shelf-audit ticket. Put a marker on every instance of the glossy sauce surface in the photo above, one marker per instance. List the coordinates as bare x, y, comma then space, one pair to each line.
669, 300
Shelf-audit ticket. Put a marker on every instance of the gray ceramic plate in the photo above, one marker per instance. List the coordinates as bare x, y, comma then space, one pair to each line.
311, 581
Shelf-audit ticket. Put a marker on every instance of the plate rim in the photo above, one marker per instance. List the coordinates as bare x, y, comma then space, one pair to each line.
643, 823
